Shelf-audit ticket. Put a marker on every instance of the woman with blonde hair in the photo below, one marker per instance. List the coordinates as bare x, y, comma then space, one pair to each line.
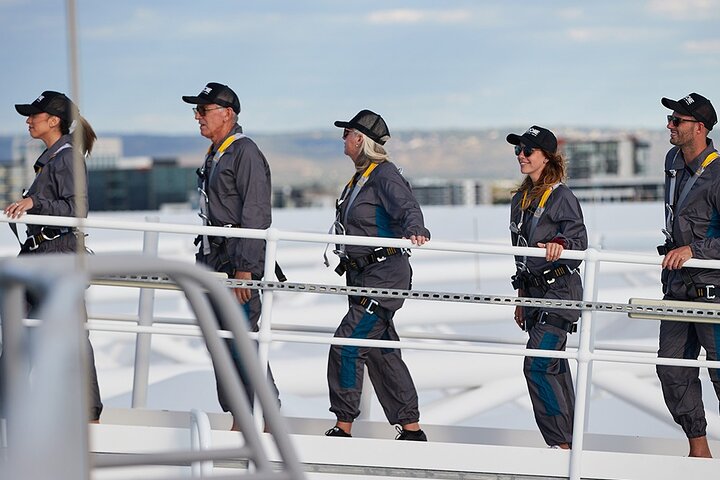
376, 202
544, 213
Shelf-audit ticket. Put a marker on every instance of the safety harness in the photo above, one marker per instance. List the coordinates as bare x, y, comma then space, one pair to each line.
219, 243
671, 207
46, 233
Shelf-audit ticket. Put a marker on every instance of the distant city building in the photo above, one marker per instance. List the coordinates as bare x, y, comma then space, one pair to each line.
106, 154
610, 169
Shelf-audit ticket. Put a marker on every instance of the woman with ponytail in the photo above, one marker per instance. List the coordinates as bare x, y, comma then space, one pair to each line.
544, 213
53, 192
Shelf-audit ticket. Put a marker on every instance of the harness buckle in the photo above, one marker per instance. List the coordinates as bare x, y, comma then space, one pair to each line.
380, 258
34, 244
372, 303
548, 280
710, 292
45, 237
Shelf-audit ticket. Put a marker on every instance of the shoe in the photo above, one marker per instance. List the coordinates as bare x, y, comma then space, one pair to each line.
414, 435
337, 432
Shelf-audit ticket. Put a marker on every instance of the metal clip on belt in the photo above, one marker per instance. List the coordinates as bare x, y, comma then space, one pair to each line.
379, 255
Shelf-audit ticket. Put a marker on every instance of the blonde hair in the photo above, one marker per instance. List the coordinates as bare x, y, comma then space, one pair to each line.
553, 172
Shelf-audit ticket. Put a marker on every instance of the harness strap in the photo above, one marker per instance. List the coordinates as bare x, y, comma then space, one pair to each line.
526, 279
548, 319
378, 255
46, 234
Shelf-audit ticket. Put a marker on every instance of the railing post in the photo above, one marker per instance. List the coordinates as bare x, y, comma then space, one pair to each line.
146, 307
265, 331
584, 373
200, 441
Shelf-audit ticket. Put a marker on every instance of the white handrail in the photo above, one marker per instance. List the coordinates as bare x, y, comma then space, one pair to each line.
585, 354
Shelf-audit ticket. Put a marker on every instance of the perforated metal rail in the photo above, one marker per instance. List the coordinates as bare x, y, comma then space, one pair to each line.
702, 310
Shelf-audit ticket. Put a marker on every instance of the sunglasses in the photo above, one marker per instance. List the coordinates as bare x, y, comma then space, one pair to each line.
202, 110
346, 132
677, 120
526, 151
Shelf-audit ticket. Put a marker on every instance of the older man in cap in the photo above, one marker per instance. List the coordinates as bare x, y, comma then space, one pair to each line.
234, 184
692, 230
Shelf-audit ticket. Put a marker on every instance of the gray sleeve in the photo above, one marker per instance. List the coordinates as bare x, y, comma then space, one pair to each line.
399, 202
254, 188
708, 248
567, 214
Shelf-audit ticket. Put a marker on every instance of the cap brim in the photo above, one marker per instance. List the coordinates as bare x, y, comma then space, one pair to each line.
675, 106
27, 110
196, 100
342, 124
515, 139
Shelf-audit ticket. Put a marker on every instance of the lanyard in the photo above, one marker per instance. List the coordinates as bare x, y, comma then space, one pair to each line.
672, 207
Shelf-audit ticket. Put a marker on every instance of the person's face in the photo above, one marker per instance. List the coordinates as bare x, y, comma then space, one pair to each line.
353, 143
212, 120
532, 161
41, 124
682, 133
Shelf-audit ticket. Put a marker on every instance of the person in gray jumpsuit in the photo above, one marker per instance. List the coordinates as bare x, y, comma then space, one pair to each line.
544, 213
692, 230
377, 202
235, 192
52, 192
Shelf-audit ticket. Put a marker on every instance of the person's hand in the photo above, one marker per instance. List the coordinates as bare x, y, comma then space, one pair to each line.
242, 294
676, 258
17, 209
552, 250
519, 319
418, 240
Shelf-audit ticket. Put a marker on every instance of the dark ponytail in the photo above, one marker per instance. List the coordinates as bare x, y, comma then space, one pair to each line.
84, 129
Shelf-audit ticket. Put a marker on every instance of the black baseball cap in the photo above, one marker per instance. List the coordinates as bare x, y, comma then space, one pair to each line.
696, 106
216, 93
536, 137
369, 123
54, 103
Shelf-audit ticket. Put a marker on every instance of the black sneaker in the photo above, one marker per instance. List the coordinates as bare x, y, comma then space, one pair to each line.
337, 432
414, 435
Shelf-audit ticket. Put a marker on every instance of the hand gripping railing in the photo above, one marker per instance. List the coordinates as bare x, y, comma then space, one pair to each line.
47, 418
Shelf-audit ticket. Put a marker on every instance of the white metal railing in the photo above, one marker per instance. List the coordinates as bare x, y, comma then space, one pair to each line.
585, 354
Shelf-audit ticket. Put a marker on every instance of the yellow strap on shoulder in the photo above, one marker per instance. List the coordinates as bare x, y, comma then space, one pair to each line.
365, 174
709, 159
543, 199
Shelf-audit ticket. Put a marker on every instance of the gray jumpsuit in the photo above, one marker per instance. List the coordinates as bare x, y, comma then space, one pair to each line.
238, 189
384, 207
53, 193
697, 224
549, 379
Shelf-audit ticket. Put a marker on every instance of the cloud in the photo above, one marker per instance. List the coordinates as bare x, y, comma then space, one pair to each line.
706, 46
684, 9
606, 34
410, 16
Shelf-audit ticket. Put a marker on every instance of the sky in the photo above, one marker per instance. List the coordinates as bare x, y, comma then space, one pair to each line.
300, 65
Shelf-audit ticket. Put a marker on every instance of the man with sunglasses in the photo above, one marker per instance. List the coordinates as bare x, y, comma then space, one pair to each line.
692, 230
235, 192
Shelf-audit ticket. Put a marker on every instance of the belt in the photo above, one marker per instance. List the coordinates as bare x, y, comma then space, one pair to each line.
46, 234
545, 319
707, 291
378, 255
548, 277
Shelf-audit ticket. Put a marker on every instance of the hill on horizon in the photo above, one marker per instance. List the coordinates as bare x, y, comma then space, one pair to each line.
303, 158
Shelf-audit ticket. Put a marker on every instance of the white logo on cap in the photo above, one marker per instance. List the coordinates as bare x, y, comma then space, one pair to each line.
39, 99
688, 100
533, 131
207, 90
